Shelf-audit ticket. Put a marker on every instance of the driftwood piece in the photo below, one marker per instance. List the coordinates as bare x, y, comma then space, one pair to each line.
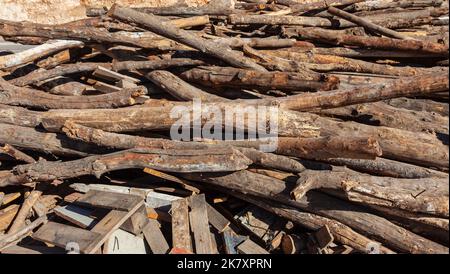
425, 195
164, 28
30, 55
21, 96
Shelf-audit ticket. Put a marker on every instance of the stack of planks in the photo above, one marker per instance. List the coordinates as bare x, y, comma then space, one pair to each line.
358, 89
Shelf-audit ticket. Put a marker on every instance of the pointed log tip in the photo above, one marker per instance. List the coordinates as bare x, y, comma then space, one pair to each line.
112, 10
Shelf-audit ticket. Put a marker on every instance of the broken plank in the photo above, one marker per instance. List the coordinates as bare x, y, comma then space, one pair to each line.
76, 215
216, 219
8, 198
154, 237
136, 222
65, 236
160, 201
250, 247
104, 73
231, 240
7, 216
181, 236
109, 200
200, 226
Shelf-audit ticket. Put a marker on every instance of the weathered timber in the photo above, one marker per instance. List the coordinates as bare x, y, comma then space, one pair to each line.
19, 221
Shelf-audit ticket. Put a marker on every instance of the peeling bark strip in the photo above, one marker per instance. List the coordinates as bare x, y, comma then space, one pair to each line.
210, 160
21, 96
425, 195
336, 38
241, 78
167, 29
393, 236
30, 55
42, 75
366, 23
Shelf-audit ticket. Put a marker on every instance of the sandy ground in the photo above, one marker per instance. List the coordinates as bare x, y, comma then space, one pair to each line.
62, 11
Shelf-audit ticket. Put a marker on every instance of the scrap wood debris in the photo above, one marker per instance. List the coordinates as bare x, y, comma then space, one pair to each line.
359, 90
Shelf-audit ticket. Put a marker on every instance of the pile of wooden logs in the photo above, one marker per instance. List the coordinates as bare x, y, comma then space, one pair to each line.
89, 162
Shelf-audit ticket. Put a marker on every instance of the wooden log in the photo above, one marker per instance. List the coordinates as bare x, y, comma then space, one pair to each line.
179, 88
389, 168
222, 159
155, 115
245, 19
333, 38
425, 195
24, 57
419, 105
387, 4
383, 114
237, 42
19, 221
166, 29
19, 116
39, 34
32, 139
418, 148
367, 24
240, 78
181, 236
319, 5
198, 217
39, 76
374, 226
408, 86
21, 96
330, 62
